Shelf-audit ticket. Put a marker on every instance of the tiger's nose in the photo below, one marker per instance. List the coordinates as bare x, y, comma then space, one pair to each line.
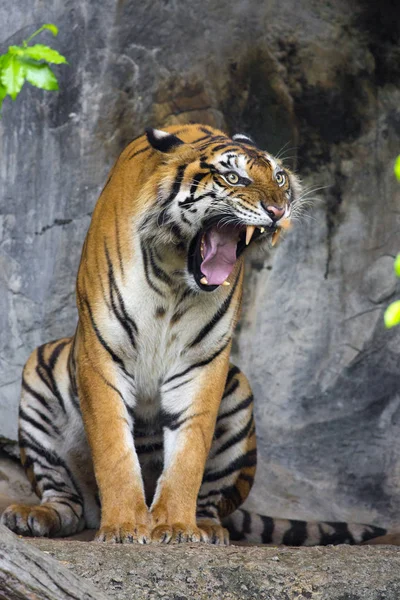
274, 212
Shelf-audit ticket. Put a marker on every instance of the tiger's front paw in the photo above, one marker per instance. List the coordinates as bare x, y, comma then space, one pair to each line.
178, 533
124, 533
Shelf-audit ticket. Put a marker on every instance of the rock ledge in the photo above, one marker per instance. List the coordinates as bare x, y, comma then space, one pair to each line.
202, 572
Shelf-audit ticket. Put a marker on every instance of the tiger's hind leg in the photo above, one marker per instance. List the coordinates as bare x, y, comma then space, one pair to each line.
53, 449
231, 464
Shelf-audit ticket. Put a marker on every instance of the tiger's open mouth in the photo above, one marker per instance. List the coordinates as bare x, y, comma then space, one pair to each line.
215, 249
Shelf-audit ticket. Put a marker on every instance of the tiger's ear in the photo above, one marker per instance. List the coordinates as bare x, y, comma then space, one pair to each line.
162, 140
245, 139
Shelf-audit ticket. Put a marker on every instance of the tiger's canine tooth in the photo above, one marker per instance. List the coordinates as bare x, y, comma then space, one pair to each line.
249, 233
275, 237
204, 281
225, 282
262, 229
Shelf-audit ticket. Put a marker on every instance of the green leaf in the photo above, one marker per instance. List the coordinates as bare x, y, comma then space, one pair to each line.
41, 52
12, 75
41, 76
17, 50
3, 94
397, 168
397, 265
392, 314
50, 27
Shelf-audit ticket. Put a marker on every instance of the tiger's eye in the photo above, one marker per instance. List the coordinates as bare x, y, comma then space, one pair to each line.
232, 177
280, 178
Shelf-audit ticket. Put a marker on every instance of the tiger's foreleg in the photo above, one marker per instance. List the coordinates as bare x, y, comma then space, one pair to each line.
231, 464
187, 442
124, 514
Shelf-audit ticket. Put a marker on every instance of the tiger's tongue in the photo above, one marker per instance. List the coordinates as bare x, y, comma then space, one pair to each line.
219, 253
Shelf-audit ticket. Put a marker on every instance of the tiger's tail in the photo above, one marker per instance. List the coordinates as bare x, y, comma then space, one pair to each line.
244, 526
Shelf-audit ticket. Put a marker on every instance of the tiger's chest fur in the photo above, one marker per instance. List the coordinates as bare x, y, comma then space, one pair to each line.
173, 328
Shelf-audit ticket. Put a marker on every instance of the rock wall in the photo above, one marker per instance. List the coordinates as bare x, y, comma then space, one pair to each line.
319, 79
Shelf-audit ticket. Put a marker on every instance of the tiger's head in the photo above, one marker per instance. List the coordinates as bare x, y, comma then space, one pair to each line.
218, 196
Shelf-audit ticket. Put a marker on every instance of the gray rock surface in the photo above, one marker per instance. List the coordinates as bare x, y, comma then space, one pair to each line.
323, 77
193, 572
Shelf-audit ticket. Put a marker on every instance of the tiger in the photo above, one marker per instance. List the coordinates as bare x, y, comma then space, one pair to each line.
139, 426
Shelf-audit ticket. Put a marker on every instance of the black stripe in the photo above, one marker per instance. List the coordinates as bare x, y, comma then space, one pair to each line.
184, 219
198, 364
175, 229
340, 535
56, 353
235, 534
169, 419
238, 437
146, 271
46, 374
217, 316
139, 152
246, 521
232, 389
246, 477
195, 181
100, 280
102, 341
73, 396
26, 441
231, 374
268, 529
242, 405
118, 242
46, 419
24, 417
214, 492
209, 504
208, 167
178, 315
219, 432
158, 271
176, 186
60, 485
246, 460
177, 424
296, 535
41, 368
206, 514
100, 374
67, 495
178, 385
43, 401
371, 532
52, 485
232, 496
65, 503
72, 374
202, 138
120, 312
222, 146
186, 294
